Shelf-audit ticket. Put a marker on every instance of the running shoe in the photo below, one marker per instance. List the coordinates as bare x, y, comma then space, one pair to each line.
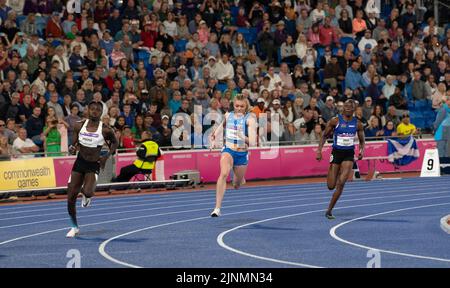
329, 216
73, 232
85, 202
216, 212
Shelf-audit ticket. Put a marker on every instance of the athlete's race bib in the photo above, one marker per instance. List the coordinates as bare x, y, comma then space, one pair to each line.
345, 141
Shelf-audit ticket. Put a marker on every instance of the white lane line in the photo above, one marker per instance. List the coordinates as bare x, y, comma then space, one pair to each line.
340, 239
189, 211
102, 247
228, 199
233, 206
188, 195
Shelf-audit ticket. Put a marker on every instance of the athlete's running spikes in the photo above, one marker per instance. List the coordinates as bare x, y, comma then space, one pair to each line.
73, 232
329, 216
216, 212
85, 202
236, 186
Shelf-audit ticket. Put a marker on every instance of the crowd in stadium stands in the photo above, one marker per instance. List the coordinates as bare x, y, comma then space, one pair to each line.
148, 60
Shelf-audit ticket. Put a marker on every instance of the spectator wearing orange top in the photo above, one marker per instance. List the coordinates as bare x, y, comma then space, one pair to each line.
259, 108
359, 24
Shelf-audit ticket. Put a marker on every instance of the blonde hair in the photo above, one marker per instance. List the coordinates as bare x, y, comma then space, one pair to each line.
241, 97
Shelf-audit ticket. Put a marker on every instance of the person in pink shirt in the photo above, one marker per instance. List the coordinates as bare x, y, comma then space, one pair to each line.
314, 35
359, 24
326, 33
203, 33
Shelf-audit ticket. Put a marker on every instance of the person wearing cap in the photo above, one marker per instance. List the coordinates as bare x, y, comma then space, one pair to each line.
280, 34
107, 41
367, 39
147, 155
367, 54
329, 110
301, 136
260, 107
89, 138
54, 27
344, 128
240, 133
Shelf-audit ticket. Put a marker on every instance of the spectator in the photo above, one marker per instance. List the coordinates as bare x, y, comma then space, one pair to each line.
419, 91
368, 107
374, 129
329, 111
389, 129
439, 96
24, 145
52, 137
391, 115
406, 128
5, 148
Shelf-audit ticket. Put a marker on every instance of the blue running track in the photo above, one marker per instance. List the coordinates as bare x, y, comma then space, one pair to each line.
267, 226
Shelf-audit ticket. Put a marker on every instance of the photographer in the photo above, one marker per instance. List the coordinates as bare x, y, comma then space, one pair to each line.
52, 137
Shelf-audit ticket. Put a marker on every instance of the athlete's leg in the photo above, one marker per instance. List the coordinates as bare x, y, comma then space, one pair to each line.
226, 163
239, 174
90, 181
333, 172
74, 187
346, 169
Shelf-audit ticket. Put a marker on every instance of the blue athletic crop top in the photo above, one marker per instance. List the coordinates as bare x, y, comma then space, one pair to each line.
344, 134
236, 130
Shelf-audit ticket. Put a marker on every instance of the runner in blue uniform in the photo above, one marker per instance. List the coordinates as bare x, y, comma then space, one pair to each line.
240, 133
344, 128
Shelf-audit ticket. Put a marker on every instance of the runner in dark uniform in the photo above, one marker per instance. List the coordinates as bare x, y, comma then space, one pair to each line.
88, 138
344, 128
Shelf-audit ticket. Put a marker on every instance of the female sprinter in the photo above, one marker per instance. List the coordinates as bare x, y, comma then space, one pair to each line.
240, 133
88, 138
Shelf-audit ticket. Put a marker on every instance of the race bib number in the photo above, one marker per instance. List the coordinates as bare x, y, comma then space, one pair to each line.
345, 141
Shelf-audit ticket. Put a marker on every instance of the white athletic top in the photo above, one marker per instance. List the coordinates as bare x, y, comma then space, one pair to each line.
91, 139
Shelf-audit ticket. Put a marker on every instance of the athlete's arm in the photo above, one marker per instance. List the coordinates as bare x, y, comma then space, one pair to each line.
111, 140
110, 137
329, 129
74, 145
362, 141
218, 131
252, 130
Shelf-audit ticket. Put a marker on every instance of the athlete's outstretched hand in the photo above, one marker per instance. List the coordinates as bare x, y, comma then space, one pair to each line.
319, 155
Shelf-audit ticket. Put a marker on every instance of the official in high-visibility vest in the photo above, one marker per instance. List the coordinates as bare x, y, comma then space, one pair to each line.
147, 154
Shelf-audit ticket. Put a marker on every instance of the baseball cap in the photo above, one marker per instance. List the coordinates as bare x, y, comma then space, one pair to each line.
330, 98
182, 67
368, 46
144, 91
303, 125
260, 100
276, 101
164, 117
211, 58
202, 22
368, 98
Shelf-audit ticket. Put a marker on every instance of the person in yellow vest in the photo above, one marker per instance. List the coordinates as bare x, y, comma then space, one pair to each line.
147, 154
406, 128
